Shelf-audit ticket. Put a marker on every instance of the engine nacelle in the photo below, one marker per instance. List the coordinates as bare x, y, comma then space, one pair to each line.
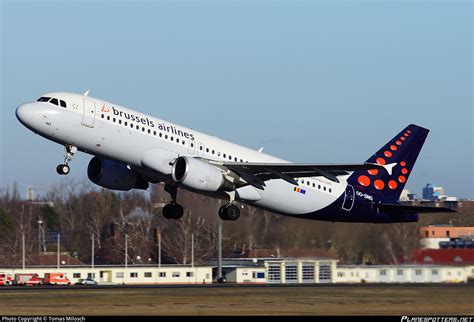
114, 175
199, 175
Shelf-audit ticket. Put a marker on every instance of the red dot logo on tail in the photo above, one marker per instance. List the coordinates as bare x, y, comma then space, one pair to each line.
373, 172
379, 184
392, 184
380, 161
363, 180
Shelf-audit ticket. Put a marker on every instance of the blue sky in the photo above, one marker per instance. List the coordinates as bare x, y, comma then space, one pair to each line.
311, 81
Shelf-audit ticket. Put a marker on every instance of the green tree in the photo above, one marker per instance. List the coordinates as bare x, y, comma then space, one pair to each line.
50, 217
5, 223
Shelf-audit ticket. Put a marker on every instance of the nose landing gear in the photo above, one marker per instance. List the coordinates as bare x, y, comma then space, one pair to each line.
64, 169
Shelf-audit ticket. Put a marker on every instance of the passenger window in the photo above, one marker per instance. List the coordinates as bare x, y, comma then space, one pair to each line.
177, 140
200, 148
324, 188
143, 129
113, 120
54, 101
212, 151
125, 123
102, 115
171, 139
154, 133
207, 150
149, 131
137, 127
230, 157
131, 125
166, 136
120, 121
319, 186
330, 190
223, 155
63, 103
161, 134
108, 118
192, 145
235, 159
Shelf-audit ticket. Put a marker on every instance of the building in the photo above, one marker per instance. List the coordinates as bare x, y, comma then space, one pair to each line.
455, 257
403, 274
279, 266
446, 236
166, 274
428, 192
279, 270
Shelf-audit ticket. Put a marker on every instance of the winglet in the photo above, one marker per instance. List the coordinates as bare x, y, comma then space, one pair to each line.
86, 93
261, 149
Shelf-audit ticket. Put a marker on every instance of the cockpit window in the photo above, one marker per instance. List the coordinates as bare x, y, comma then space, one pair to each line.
43, 99
63, 103
54, 101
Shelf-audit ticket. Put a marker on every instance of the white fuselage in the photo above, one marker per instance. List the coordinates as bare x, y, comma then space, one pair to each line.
101, 128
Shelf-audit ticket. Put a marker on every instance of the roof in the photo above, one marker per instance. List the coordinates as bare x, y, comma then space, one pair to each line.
444, 256
40, 260
280, 253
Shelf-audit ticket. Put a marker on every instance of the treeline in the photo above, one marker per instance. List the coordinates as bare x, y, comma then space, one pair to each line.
80, 211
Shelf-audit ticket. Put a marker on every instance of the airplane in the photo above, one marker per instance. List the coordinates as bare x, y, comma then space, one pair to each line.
131, 150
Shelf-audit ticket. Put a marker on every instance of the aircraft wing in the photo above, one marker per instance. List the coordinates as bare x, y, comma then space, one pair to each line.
259, 172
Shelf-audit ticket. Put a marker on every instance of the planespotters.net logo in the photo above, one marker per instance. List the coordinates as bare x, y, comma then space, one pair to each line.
437, 319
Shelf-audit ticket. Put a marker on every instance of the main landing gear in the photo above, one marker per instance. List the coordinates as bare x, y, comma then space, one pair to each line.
230, 211
64, 169
172, 210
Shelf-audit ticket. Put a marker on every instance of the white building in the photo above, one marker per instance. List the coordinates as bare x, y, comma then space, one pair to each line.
280, 270
403, 274
130, 275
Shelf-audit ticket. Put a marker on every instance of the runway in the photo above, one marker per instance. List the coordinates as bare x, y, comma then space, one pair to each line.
228, 299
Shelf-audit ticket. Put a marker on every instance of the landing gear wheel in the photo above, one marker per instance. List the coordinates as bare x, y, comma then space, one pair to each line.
173, 211
222, 213
229, 212
63, 169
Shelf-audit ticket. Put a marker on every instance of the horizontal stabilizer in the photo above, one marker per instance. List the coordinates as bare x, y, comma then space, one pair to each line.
407, 209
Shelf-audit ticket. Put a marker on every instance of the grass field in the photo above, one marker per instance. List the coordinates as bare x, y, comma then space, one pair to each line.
338, 300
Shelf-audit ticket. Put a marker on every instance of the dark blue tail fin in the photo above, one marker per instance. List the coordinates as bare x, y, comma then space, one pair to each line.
403, 150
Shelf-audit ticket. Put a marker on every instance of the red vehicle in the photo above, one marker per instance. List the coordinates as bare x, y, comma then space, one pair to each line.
5, 279
56, 279
28, 279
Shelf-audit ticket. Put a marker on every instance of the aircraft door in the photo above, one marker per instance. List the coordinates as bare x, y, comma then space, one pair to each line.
88, 117
349, 198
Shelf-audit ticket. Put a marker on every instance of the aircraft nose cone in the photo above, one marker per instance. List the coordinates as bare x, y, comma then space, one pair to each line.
23, 113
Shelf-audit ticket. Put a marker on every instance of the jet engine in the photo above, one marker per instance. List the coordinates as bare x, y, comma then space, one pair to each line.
114, 175
199, 175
